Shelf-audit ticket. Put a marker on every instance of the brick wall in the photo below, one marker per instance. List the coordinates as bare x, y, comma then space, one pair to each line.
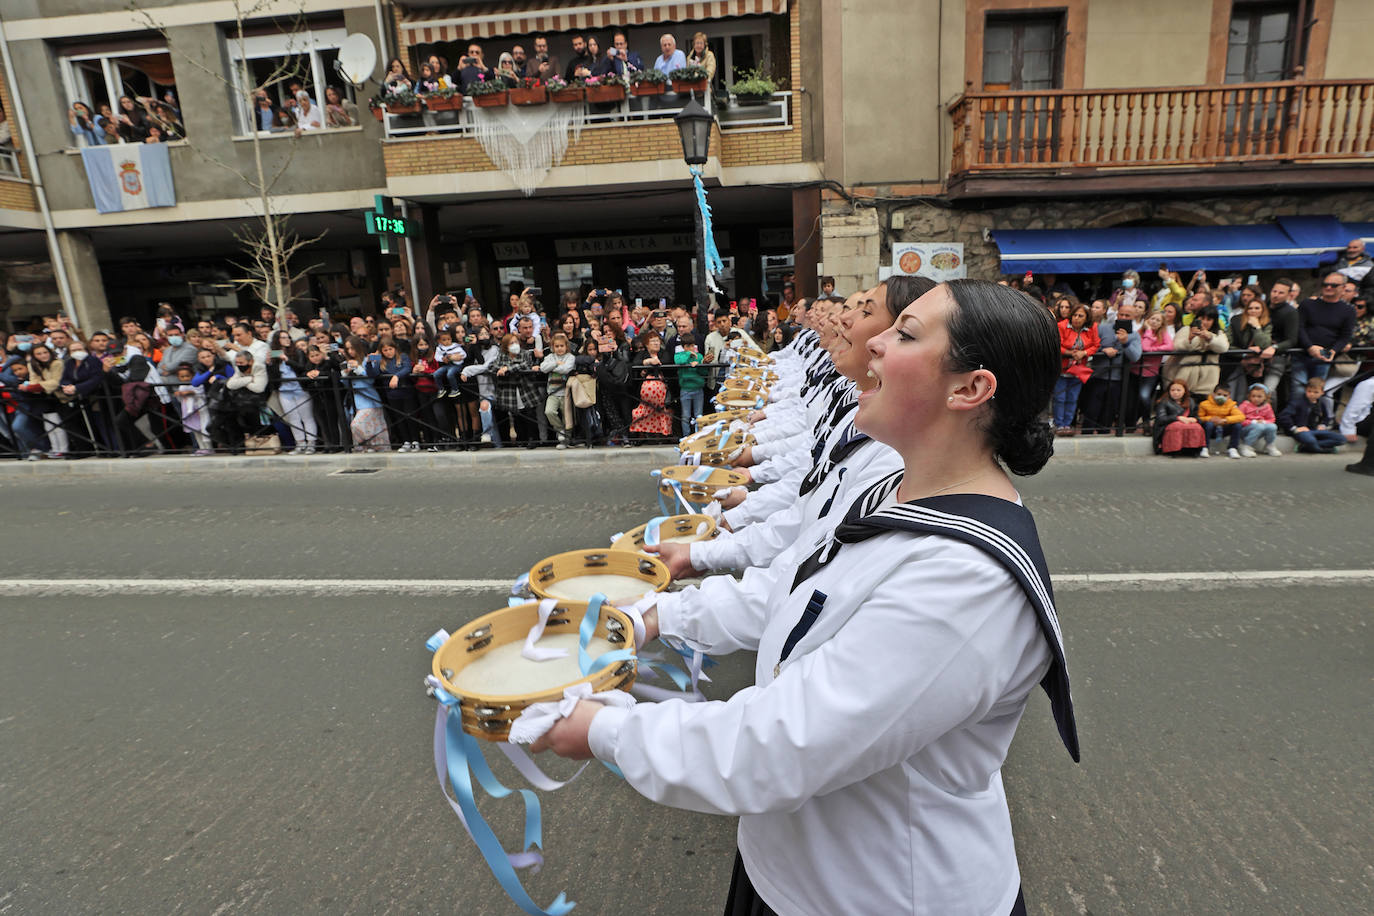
15, 195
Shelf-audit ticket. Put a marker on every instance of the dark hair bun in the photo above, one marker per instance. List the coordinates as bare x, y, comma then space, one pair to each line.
1027, 449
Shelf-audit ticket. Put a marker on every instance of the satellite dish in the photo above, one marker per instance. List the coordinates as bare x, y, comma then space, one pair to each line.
357, 59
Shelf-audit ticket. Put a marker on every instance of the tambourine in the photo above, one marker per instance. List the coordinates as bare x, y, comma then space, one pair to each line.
675, 529
722, 416
579, 574
715, 450
696, 485
736, 400
482, 665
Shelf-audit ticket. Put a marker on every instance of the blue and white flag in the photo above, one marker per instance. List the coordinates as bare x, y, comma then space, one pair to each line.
129, 176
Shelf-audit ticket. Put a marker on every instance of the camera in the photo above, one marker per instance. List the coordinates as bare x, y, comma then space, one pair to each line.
536, 291
541, 57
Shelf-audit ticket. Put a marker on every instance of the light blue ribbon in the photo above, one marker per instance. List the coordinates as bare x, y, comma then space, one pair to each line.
586, 630
651, 530
714, 264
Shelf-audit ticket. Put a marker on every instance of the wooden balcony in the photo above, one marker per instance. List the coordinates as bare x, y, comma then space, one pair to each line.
1294, 133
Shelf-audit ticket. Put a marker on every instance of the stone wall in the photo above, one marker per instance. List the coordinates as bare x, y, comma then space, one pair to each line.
868, 217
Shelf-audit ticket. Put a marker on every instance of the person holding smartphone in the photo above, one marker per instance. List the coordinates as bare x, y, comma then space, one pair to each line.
1325, 325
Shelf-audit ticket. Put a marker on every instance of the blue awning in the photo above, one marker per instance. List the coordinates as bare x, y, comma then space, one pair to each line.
1291, 242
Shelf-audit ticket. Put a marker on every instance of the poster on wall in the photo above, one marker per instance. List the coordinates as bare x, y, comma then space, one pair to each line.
939, 261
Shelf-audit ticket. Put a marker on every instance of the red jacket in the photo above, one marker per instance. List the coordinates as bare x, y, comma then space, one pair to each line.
1085, 339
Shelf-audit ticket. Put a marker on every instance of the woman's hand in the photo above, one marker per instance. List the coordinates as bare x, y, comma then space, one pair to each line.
733, 499
500, 373
677, 557
395, 382
568, 737
745, 458
313, 373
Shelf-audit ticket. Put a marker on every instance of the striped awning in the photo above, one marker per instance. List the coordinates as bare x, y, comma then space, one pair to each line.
521, 17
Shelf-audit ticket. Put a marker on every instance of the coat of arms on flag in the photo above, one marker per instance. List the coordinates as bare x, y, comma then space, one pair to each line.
129, 176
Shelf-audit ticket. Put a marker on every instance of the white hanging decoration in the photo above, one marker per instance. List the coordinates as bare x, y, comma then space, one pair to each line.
525, 141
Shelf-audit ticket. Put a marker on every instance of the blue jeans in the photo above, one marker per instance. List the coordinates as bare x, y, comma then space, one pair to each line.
1217, 430
447, 377
1256, 432
1304, 368
1318, 440
1066, 392
27, 424
489, 427
693, 399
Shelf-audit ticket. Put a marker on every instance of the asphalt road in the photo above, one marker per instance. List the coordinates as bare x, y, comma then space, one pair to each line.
270, 754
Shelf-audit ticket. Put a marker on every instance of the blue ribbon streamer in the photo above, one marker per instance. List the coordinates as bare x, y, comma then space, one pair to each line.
714, 264
464, 752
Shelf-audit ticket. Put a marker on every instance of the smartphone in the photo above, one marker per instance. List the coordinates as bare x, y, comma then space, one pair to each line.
275, 354
639, 302
663, 303
1252, 280
537, 291
467, 291
398, 310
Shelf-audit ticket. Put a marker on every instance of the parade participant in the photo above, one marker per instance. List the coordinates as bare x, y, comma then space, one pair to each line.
846, 462
895, 662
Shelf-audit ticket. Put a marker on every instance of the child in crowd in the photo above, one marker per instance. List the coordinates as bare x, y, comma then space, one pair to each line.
450, 356
195, 411
1259, 425
691, 382
558, 365
1220, 416
1177, 431
1308, 420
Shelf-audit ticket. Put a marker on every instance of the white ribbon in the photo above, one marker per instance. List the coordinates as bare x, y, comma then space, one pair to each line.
538, 718
533, 652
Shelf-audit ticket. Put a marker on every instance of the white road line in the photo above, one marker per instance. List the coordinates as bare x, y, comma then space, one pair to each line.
1144, 581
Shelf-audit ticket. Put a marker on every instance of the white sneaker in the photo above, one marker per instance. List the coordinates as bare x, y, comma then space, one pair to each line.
1273, 451
1204, 453
1247, 452
486, 439
561, 445
1232, 453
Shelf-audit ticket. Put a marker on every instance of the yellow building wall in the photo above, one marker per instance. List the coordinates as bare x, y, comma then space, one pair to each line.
1347, 56
1160, 43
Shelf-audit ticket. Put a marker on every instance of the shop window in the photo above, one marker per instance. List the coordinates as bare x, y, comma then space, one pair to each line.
270, 65
98, 77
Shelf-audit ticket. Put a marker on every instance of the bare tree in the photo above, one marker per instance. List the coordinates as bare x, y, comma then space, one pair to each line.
270, 244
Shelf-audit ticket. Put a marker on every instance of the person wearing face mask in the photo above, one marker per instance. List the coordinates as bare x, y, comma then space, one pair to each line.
515, 403
178, 350
1128, 291
82, 377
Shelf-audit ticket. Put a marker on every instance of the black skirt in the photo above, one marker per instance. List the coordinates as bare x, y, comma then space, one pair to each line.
745, 901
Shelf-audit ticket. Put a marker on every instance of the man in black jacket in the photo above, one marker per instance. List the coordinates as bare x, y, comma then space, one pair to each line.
1284, 320
1325, 326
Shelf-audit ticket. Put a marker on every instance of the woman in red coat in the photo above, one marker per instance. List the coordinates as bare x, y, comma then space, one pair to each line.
1077, 342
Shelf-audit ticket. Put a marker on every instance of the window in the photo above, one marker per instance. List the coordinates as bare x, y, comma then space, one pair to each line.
1023, 53
272, 63
99, 76
1260, 45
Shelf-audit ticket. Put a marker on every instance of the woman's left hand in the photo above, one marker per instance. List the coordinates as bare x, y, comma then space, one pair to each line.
395, 382
568, 737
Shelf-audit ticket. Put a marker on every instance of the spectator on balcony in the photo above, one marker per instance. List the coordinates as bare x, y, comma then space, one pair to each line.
438, 67
340, 110
580, 65
472, 68
1325, 326
702, 56
627, 60
543, 65
1357, 265
506, 70
164, 118
397, 77
282, 120
264, 117
104, 115
154, 134
132, 125
307, 113
427, 81
670, 58
83, 125
521, 59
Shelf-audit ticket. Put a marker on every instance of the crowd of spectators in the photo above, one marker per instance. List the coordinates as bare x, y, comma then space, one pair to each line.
139, 119
1197, 364
517, 66
298, 112
594, 369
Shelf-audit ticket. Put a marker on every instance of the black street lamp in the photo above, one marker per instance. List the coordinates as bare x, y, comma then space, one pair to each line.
694, 129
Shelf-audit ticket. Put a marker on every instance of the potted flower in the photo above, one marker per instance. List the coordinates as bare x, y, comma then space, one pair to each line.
753, 88
444, 100
607, 88
374, 105
488, 93
648, 82
691, 78
401, 102
531, 91
561, 91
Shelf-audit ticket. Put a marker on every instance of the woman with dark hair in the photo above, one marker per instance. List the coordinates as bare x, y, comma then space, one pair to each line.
319, 377
652, 416
1177, 430
1077, 343
400, 396
935, 588
84, 126
133, 126
362, 367
397, 78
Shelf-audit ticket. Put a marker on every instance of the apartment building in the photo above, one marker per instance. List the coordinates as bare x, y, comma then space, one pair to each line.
1017, 132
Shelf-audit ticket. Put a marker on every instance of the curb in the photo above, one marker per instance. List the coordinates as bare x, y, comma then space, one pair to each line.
1098, 447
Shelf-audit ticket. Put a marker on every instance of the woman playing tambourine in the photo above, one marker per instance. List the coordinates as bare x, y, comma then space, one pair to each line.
895, 658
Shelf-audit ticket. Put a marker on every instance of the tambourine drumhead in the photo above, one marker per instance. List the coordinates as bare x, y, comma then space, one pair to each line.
675, 529
698, 484
738, 399
722, 416
481, 664
708, 443
579, 574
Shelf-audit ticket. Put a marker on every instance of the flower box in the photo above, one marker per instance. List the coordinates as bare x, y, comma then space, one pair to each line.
537, 95
439, 103
566, 94
377, 113
689, 85
492, 99
605, 93
412, 108
753, 98
644, 87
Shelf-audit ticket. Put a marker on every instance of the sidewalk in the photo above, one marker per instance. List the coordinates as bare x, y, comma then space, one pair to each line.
643, 456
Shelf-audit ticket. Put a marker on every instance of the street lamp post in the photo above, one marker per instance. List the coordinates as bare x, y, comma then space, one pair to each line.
694, 128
